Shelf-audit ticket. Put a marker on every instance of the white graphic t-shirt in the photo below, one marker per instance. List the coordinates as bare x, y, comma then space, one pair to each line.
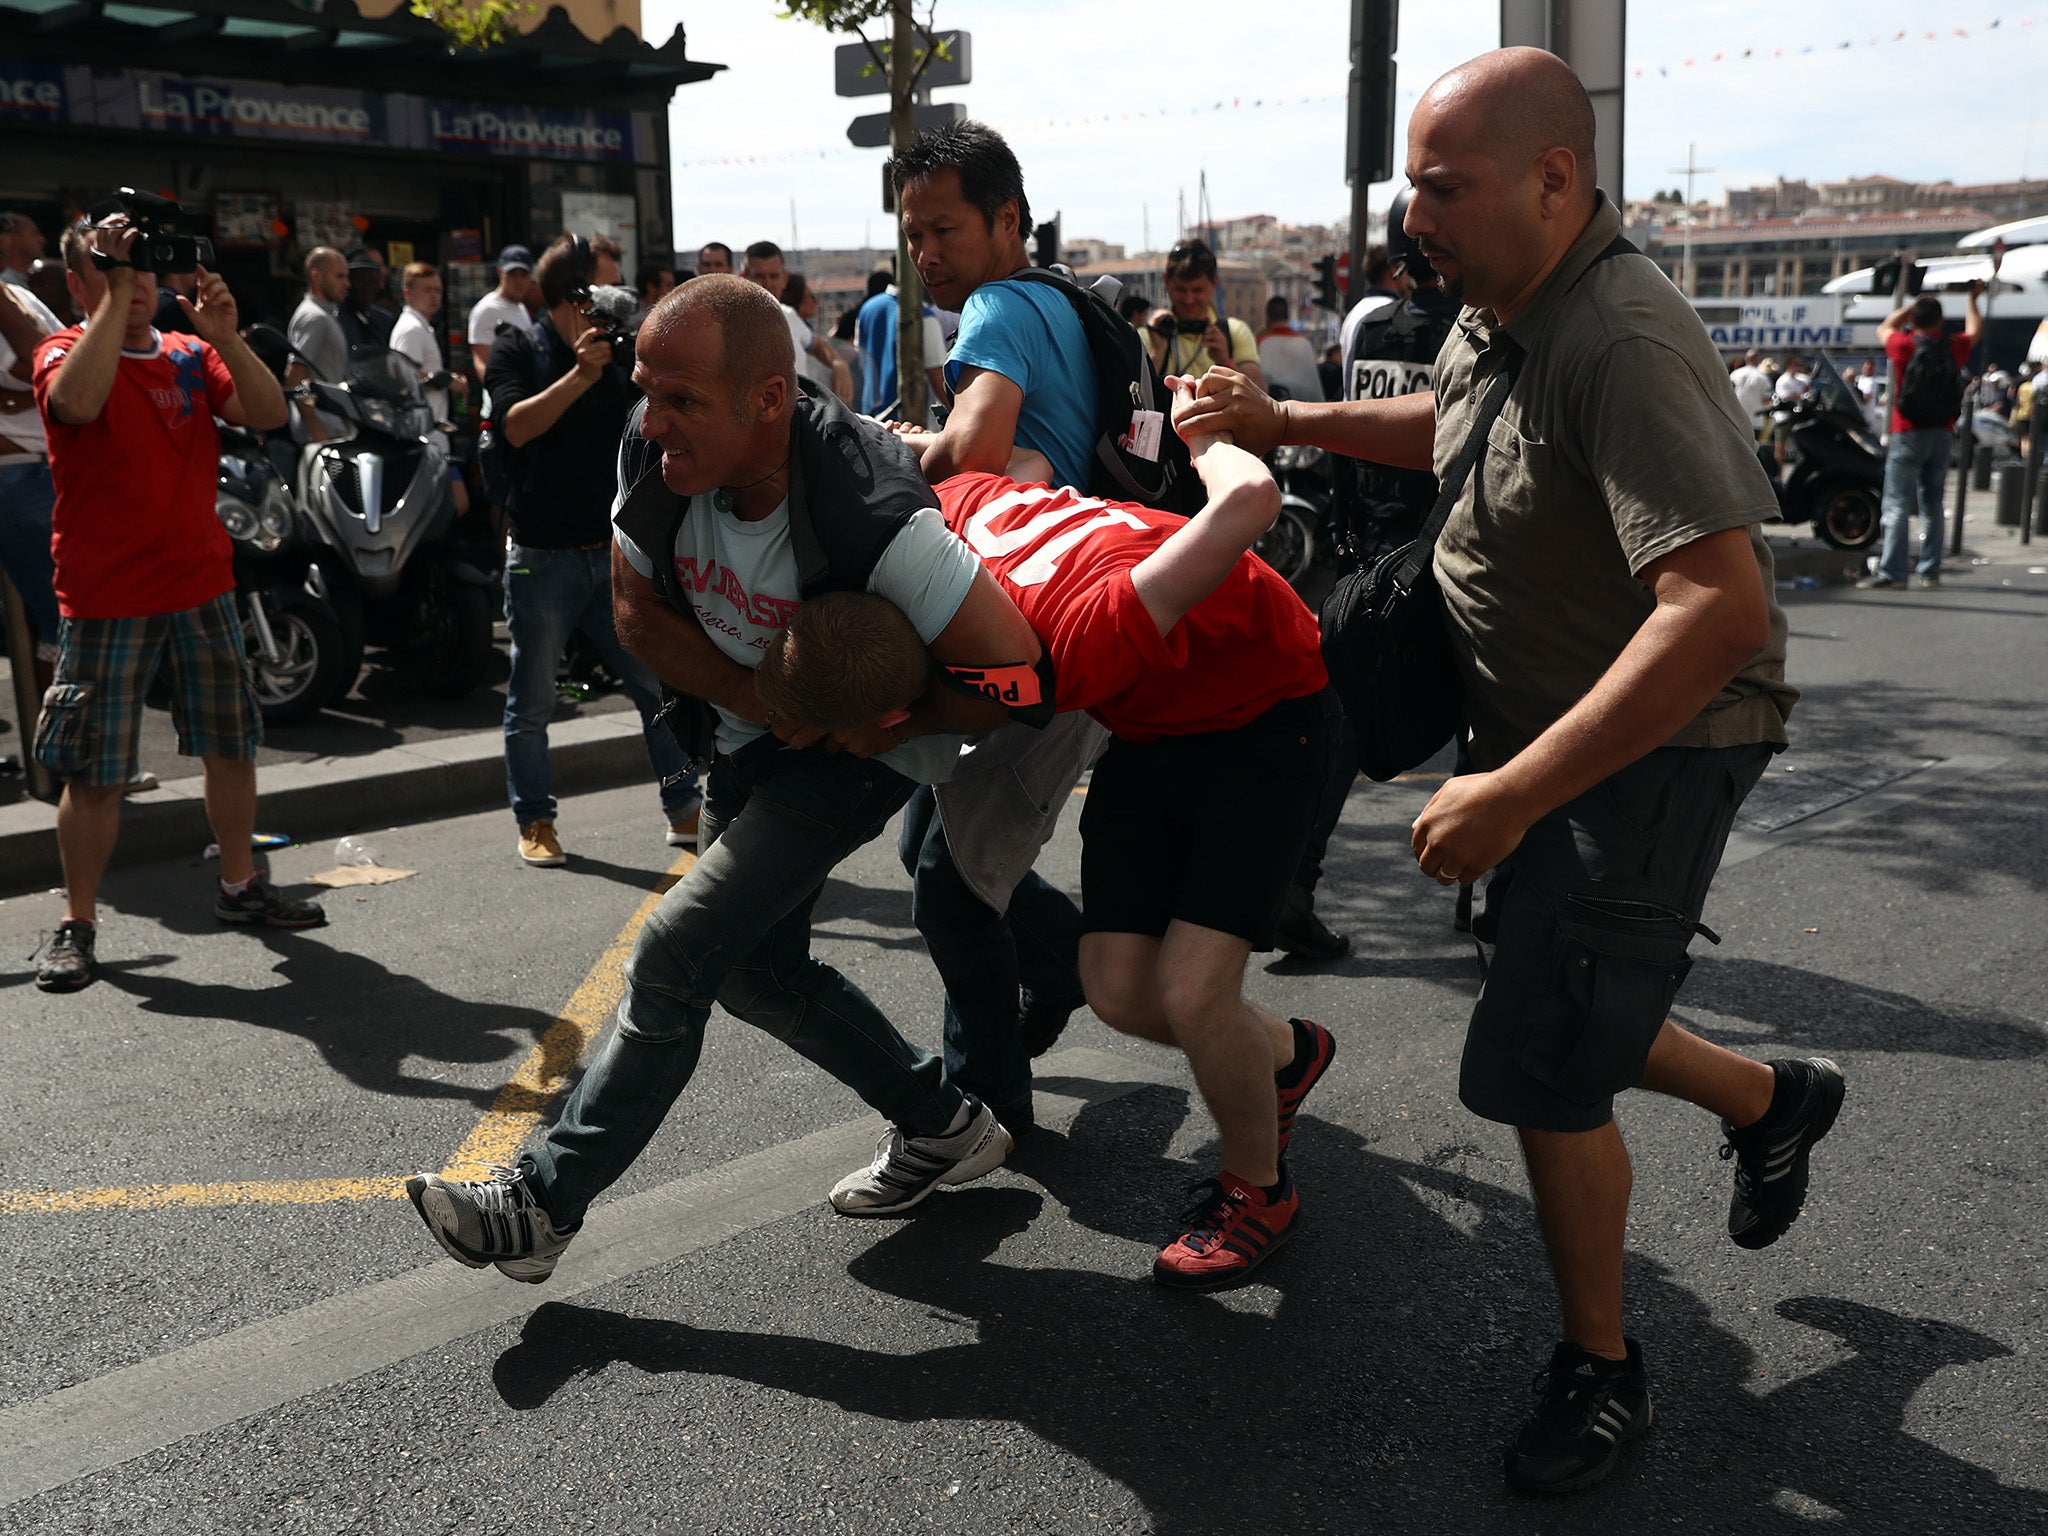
741, 579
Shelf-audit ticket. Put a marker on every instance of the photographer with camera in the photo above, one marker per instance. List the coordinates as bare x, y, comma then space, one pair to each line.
1200, 338
145, 572
560, 394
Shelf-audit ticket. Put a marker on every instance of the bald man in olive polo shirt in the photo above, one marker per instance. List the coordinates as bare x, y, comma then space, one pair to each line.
1610, 603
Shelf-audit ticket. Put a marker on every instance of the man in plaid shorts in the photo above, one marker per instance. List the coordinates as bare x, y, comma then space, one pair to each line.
145, 573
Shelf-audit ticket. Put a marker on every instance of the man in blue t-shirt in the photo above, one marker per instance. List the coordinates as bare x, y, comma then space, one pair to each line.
1020, 369
1007, 947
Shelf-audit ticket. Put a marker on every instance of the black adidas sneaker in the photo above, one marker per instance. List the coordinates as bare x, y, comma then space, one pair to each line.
1770, 1166
1587, 1408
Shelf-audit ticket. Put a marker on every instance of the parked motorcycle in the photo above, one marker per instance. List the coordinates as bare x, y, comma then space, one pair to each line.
1303, 532
377, 506
1832, 474
294, 639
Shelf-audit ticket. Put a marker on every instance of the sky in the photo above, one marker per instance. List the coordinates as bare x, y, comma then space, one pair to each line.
1117, 145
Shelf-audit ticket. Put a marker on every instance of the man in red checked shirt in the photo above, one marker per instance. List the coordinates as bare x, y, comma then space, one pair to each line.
145, 576
1208, 672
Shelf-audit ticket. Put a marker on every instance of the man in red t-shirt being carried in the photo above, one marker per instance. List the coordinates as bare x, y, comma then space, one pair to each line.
1208, 672
145, 574
1928, 396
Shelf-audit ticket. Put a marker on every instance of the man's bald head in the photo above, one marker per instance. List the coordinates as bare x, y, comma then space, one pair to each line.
752, 330
1518, 104
325, 259
1500, 159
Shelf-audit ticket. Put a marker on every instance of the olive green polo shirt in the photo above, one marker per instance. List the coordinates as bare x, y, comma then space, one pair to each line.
1621, 443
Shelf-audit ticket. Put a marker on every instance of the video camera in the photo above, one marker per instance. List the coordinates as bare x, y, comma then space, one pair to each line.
159, 246
611, 309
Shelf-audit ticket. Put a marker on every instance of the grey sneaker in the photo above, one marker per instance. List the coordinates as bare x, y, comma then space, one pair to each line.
490, 1221
259, 904
67, 963
1877, 584
1926, 583
907, 1168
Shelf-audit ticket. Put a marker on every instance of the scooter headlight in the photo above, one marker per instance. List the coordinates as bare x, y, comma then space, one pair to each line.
382, 415
238, 517
275, 517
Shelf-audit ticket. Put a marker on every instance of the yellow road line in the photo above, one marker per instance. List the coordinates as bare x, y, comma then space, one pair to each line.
515, 1112
545, 1072
168, 1197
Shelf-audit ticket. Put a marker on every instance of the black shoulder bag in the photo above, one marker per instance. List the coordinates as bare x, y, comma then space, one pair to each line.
1384, 640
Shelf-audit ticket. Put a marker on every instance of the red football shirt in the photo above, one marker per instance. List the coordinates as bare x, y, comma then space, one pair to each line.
135, 530
1066, 561
1899, 348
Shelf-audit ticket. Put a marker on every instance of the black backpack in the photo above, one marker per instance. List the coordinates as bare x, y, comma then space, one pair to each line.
1931, 389
1125, 384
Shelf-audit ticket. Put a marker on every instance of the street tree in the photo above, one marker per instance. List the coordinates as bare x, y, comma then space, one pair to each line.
903, 58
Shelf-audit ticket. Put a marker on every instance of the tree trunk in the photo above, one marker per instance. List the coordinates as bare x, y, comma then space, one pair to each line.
910, 385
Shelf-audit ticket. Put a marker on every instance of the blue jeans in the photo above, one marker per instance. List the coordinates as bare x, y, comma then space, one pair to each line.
549, 594
737, 930
27, 498
1915, 464
987, 959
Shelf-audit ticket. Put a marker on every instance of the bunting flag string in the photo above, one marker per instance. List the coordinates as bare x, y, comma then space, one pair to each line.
1089, 120
1995, 27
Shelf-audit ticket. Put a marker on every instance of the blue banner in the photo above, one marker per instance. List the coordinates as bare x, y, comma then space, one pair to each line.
87, 97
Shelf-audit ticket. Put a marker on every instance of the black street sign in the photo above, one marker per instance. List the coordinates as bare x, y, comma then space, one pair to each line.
855, 72
872, 131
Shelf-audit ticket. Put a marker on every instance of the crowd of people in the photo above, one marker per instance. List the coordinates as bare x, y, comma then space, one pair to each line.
828, 616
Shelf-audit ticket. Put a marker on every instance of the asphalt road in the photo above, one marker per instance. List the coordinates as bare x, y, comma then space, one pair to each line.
735, 1358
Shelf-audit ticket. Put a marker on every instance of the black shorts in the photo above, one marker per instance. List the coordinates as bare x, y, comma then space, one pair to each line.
1590, 918
1204, 829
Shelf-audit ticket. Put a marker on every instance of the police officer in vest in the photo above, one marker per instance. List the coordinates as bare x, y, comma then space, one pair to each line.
1390, 341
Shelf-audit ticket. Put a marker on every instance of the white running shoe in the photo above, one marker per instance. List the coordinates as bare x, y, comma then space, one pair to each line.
907, 1168
490, 1221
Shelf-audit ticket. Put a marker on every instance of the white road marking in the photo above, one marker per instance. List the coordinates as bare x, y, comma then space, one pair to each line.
144, 1407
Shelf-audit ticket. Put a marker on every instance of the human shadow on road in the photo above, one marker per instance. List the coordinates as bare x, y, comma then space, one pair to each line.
1808, 1009
643, 880
366, 1020
1375, 1395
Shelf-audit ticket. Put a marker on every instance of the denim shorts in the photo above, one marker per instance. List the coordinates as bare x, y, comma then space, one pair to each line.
1589, 919
1205, 829
93, 712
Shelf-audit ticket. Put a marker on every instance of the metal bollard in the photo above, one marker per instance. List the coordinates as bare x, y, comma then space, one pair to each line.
2008, 484
1980, 471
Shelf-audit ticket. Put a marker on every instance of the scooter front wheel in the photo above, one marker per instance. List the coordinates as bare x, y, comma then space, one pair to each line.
1289, 546
451, 647
1848, 516
300, 681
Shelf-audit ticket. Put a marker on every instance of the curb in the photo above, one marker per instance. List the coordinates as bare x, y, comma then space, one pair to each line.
329, 796
1812, 563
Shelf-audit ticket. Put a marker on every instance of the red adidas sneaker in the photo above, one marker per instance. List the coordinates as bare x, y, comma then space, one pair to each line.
1324, 1051
1232, 1229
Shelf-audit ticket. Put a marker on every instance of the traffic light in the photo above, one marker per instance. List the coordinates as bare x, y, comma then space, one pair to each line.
1369, 139
1885, 279
1326, 283
1045, 243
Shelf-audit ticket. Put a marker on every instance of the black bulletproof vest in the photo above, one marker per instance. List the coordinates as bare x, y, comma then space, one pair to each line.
1394, 356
